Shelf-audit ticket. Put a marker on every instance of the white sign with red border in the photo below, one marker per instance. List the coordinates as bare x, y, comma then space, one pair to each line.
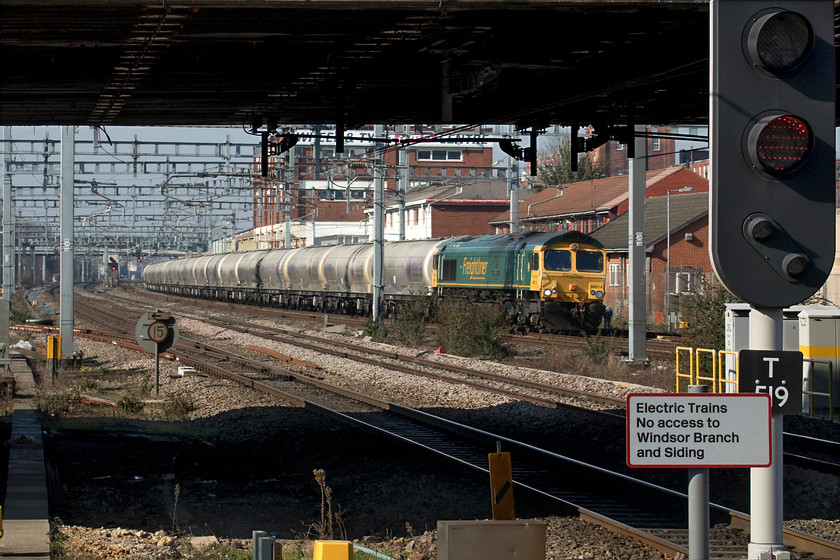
158, 332
698, 430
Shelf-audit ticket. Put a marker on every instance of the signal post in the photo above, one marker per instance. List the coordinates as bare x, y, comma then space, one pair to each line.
772, 199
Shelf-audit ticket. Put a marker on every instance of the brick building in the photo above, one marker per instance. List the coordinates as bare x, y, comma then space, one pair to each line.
675, 263
588, 205
449, 210
612, 159
313, 185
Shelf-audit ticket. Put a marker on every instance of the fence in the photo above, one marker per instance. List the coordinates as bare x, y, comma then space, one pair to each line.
719, 370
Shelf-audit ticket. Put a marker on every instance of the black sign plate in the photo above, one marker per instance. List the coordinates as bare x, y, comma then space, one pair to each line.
777, 373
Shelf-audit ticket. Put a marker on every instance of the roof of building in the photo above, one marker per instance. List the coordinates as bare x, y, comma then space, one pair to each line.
686, 208
585, 197
464, 190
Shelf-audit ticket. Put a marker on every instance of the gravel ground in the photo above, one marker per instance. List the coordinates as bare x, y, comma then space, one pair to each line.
244, 462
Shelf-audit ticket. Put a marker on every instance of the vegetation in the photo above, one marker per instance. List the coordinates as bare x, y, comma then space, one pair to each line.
57, 403
598, 348
21, 308
558, 171
410, 320
375, 331
324, 528
178, 406
705, 312
217, 551
468, 330
130, 403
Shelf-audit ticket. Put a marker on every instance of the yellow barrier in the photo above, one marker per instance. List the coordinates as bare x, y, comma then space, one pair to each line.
690, 375
722, 377
696, 372
698, 378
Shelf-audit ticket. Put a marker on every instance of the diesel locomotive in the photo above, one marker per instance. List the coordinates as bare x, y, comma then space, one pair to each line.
544, 281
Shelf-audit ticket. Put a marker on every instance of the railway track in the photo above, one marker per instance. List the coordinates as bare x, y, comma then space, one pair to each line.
663, 350
599, 495
659, 349
808, 452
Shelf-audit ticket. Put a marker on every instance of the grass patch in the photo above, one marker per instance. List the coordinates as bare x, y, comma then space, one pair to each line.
179, 406
216, 551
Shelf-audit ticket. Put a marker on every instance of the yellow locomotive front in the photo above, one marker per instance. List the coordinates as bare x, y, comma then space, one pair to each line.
569, 276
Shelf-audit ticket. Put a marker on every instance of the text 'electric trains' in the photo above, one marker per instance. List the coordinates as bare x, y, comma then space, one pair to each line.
544, 281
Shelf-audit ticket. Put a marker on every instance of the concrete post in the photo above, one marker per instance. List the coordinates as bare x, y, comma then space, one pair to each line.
766, 498
698, 505
637, 246
68, 179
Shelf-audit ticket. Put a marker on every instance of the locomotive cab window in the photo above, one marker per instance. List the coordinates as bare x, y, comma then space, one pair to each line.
450, 270
558, 260
590, 261
535, 261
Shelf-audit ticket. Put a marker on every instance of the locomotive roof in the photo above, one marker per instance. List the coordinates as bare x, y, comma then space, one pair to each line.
522, 239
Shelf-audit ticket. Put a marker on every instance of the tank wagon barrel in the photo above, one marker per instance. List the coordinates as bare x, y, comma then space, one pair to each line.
546, 281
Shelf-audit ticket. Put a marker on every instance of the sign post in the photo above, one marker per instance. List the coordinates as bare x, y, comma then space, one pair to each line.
697, 431
156, 332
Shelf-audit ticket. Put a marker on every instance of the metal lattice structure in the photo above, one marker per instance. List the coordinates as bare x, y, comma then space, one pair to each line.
132, 196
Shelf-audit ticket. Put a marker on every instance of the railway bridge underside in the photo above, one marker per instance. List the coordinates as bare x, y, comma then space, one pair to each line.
208, 62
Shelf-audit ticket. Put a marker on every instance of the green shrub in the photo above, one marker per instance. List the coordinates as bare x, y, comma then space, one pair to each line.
56, 403
375, 331
410, 320
178, 406
88, 384
705, 313
130, 403
598, 348
465, 329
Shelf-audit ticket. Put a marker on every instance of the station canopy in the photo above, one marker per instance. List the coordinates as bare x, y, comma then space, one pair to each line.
238, 62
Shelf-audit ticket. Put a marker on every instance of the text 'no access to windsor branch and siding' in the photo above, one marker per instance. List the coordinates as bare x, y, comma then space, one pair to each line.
692, 430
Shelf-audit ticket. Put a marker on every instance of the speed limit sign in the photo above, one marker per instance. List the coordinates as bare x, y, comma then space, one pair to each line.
158, 332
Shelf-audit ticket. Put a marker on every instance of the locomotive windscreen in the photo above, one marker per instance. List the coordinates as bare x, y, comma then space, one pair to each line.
590, 261
558, 260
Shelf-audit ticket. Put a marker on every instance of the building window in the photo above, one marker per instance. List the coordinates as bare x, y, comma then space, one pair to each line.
619, 146
682, 282
330, 194
654, 144
439, 155
614, 274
